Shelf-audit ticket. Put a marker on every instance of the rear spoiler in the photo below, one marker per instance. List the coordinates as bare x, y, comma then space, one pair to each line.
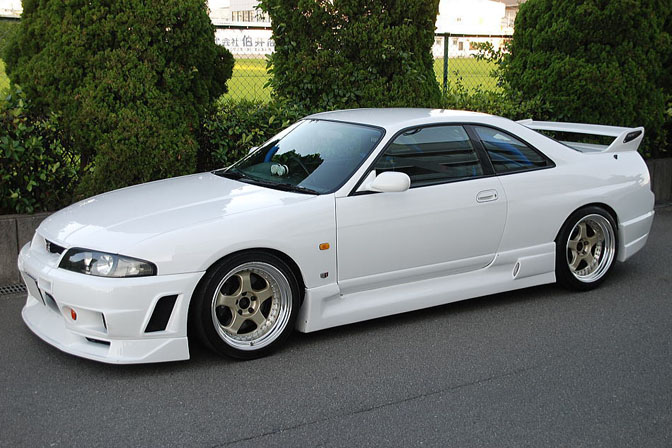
626, 139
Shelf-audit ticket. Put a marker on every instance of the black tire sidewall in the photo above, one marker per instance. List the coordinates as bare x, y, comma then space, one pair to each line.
562, 273
202, 317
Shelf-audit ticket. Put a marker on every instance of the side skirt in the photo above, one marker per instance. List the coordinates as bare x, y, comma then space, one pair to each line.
326, 307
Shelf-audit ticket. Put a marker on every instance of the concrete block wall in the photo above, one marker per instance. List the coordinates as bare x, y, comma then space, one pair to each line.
17, 230
661, 179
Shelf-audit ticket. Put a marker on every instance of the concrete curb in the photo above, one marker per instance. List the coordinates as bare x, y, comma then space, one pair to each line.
17, 230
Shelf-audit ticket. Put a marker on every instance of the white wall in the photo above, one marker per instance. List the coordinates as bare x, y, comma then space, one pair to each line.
10, 8
470, 17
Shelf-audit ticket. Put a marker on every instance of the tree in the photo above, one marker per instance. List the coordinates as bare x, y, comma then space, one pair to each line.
595, 61
130, 79
353, 53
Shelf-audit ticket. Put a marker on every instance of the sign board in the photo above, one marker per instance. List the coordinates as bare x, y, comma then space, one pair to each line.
246, 42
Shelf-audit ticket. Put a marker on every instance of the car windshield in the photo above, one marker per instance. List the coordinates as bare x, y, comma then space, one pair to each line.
312, 156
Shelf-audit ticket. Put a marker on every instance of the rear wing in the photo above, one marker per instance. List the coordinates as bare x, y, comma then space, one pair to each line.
626, 139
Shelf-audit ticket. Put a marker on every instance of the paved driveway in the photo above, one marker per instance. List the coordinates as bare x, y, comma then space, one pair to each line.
538, 367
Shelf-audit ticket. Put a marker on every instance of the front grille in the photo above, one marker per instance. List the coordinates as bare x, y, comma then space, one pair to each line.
53, 247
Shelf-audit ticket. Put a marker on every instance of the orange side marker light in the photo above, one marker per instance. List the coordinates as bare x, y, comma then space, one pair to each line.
324, 246
73, 314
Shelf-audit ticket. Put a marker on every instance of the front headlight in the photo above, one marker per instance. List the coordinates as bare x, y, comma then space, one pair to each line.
102, 264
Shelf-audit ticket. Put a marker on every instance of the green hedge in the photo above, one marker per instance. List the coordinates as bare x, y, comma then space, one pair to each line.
350, 53
37, 172
132, 81
237, 125
595, 61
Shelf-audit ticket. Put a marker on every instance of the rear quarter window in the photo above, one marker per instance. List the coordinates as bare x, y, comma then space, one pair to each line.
508, 154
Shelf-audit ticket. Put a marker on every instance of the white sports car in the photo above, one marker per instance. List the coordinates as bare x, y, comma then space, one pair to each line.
342, 217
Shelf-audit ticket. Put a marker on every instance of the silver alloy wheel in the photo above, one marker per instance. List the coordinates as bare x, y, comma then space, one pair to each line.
251, 305
590, 248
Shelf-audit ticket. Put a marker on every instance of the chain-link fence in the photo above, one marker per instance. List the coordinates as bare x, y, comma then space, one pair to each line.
251, 46
456, 64
461, 68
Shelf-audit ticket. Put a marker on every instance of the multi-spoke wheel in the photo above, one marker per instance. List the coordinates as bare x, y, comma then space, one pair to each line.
247, 305
586, 248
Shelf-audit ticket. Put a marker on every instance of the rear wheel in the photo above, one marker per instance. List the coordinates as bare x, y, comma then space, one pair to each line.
247, 305
586, 248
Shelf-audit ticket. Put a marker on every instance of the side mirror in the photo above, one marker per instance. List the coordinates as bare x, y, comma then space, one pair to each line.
252, 149
390, 182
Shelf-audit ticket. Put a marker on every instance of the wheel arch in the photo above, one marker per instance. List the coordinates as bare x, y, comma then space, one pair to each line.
281, 255
601, 205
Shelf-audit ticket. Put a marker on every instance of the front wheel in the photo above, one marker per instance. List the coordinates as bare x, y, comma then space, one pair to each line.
247, 305
586, 248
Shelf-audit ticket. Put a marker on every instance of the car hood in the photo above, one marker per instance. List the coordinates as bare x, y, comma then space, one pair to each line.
122, 218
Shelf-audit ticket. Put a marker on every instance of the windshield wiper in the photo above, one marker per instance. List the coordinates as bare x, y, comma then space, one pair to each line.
296, 188
280, 186
229, 173
237, 175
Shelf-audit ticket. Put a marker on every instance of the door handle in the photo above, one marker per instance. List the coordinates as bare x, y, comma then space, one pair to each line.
487, 196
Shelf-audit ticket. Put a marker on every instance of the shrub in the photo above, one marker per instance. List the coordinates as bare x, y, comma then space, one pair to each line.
500, 102
36, 171
594, 61
349, 53
7, 30
131, 80
236, 126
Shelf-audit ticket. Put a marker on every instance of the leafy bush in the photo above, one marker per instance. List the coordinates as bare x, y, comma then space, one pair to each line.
36, 171
236, 126
349, 53
594, 61
501, 103
132, 81
7, 30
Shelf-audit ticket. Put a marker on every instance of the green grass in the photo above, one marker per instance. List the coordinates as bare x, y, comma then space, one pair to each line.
249, 76
248, 80
471, 72
4, 80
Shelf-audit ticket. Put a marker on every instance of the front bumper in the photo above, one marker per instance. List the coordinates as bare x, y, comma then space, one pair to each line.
112, 314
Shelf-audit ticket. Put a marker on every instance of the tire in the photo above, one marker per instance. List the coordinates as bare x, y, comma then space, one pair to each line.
246, 306
586, 249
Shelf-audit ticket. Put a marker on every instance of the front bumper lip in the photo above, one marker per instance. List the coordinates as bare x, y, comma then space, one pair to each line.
112, 313
50, 327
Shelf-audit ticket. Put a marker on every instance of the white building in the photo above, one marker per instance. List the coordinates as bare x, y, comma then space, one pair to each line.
467, 21
240, 12
10, 8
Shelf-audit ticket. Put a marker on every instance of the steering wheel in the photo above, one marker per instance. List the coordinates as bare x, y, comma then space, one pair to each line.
293, 157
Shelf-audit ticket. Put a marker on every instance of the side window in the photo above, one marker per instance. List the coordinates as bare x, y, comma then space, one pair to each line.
507, 153
432, 155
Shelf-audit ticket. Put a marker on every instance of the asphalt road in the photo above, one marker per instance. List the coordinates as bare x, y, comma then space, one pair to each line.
538, 367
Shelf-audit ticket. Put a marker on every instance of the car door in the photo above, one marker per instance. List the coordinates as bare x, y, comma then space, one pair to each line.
450, 221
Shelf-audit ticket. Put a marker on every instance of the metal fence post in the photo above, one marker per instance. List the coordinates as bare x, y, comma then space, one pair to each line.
446, 37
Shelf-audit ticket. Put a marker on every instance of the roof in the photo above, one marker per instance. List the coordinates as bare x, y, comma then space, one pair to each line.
397, 117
